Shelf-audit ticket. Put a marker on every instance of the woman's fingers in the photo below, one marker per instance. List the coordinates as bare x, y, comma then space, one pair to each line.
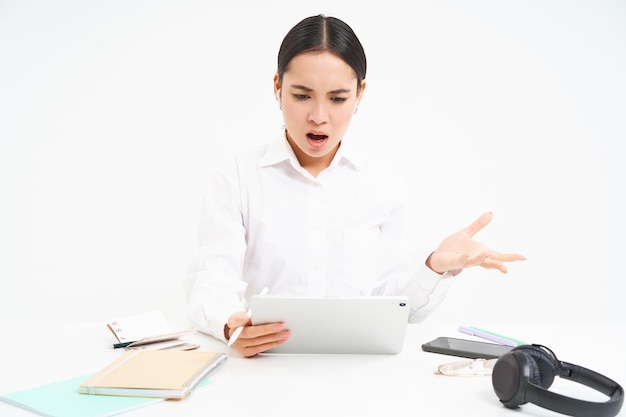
259, 338
479, 223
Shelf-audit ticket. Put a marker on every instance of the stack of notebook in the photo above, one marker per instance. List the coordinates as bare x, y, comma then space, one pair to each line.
137, 378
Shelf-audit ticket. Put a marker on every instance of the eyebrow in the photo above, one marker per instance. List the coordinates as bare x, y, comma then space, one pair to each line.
307, 89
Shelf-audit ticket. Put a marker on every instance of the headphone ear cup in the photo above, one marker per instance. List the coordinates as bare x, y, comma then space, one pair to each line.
543, 366
534, 373
516, 369
508, 381
522, 366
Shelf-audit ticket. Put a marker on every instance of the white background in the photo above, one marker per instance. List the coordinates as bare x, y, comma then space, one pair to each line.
113, 112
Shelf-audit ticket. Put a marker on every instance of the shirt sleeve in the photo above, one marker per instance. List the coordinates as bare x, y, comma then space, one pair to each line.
410, 276
401, 270
426, 290
213, 284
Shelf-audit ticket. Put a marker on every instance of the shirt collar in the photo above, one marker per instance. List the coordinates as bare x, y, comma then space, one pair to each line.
279, 151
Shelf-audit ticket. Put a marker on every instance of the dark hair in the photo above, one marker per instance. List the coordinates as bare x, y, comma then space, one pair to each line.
322, 33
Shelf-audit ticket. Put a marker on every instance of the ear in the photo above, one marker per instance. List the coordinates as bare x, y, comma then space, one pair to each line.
277, 87
359, 95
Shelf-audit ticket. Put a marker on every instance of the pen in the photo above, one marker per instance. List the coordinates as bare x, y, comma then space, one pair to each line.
122, 345
494, 337
238, 330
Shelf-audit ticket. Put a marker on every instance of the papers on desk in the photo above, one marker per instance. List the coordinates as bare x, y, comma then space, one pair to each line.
148, 331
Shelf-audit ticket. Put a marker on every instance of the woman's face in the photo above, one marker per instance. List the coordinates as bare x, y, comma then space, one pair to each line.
318, 97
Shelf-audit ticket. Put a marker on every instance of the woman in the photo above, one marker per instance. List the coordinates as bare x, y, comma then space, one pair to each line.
308, 215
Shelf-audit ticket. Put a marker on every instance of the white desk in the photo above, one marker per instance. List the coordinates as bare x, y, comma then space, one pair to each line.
310, 385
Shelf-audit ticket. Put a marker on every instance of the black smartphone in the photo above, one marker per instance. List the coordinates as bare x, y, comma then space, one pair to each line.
465, 348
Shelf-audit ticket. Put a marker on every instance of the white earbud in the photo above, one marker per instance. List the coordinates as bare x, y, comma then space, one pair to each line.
280, 103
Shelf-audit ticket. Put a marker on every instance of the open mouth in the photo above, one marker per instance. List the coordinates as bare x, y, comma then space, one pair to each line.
317, 138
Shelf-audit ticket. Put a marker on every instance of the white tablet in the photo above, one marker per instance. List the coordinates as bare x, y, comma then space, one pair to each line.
338, 325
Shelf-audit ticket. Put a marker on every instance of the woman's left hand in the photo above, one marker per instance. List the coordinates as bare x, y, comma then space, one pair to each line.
460, 250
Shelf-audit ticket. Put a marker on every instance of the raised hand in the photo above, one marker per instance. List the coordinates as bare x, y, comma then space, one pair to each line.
460, 250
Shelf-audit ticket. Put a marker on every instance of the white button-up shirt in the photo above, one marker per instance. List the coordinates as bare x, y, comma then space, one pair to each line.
267, 222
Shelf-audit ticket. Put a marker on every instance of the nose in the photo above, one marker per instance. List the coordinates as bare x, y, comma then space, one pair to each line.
318, 113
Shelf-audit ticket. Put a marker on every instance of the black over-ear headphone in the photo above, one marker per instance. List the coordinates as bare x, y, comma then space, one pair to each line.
525, 373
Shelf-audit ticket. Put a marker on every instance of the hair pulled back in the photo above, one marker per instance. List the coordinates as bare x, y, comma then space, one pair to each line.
322, 33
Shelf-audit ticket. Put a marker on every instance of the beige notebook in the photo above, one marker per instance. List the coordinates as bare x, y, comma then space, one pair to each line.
154, 373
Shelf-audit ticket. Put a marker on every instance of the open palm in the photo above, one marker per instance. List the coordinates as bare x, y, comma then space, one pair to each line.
460, 250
